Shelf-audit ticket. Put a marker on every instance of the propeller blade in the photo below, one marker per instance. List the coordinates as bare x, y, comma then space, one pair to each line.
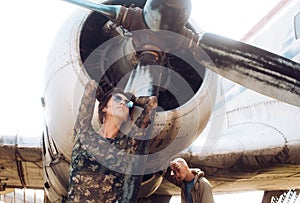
257, 69
109, 11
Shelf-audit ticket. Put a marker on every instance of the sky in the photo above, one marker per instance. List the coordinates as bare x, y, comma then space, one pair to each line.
28, 29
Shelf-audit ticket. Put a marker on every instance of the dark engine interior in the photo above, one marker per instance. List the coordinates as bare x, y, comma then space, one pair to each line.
92, 37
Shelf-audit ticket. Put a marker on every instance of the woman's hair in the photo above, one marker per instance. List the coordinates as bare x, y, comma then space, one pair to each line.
103, 99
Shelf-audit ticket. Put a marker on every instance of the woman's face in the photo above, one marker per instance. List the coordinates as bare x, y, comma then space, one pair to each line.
117, 107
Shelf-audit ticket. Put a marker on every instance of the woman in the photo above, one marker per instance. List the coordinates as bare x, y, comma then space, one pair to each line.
98, 158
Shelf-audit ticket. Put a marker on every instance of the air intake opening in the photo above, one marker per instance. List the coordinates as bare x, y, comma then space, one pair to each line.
171, 96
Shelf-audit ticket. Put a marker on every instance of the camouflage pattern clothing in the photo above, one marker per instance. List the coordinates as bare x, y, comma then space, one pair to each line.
98, 164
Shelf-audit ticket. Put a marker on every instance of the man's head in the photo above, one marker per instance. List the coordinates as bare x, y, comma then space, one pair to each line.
115, 103
180, 168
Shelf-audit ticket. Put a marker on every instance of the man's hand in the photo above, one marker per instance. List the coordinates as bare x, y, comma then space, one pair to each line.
175, 166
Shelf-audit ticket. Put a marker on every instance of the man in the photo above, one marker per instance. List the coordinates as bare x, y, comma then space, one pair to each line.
195, 188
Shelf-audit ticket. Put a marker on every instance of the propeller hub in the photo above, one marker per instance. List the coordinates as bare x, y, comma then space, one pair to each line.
171, 15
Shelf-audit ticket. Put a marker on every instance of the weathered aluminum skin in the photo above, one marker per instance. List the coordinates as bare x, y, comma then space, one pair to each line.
65, 79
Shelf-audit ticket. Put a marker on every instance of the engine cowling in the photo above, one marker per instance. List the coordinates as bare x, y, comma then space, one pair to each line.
177, 122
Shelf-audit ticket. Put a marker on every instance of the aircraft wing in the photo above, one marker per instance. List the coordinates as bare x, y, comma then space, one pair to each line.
257, 148
252, 141
251, 144
21, 164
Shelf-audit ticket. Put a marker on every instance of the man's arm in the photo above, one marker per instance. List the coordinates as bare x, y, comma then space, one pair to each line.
205, 192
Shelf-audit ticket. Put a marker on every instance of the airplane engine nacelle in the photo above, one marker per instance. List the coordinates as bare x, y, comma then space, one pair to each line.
178, 122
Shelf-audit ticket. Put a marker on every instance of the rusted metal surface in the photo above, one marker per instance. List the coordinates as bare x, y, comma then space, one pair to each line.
21, 166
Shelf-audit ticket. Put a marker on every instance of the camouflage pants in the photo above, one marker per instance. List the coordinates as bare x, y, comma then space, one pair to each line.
91, 182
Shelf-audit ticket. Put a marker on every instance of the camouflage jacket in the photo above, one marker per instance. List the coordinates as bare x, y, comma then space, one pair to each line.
98, 165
